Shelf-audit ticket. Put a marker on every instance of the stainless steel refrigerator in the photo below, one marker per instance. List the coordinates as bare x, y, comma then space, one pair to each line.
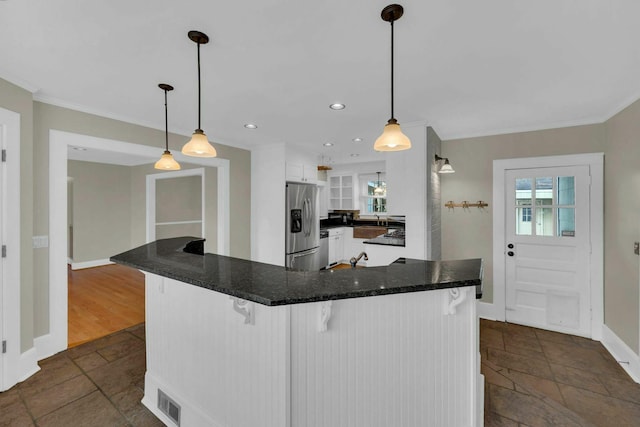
303, 228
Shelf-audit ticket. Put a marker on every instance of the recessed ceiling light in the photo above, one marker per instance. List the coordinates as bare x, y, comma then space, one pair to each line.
251, 126
337, 106
355, 155
357, 139
79, 148
328, 144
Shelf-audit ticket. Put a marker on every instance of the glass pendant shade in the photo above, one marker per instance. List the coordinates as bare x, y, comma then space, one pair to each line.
167, 162
392, 138
199, 146
446, 167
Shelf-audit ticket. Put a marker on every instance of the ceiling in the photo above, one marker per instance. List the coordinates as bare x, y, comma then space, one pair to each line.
465, 67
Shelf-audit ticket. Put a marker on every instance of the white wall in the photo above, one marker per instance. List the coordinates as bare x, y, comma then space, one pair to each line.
268, 204
407, 189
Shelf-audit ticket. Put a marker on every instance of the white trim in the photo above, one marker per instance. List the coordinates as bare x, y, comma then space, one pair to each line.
90, 264
151, 200
622, 353
486, 310
195, 417
595, 161
195, 221
28, 364
45, 346
59, 141
11, 282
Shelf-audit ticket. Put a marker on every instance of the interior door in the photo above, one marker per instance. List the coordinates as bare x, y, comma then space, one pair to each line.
547, 248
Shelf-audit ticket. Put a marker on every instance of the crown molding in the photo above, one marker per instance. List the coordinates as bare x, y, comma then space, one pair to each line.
24, 84
122, 118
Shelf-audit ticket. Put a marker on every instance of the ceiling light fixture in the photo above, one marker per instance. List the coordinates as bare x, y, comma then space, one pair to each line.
166, 162
357, 139
251, 126
199, 145
392, 138
328, 144
337, 106
355, 155
446, 167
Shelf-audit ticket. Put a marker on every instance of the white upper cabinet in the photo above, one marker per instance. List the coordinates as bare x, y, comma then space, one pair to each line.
300, 172
342, 191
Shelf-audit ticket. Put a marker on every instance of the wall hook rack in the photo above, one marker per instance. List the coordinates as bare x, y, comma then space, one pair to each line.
466, 205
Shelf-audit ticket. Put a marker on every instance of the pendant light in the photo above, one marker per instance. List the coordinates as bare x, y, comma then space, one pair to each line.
199, 145
379, 191
392, 138
167, 161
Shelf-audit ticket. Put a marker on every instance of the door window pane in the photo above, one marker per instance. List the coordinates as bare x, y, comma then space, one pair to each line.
523, 191
523, 227
544, 222
544, 191
566, 190
566, 222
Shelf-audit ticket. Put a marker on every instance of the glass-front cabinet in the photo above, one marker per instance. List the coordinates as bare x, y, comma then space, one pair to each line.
341, 192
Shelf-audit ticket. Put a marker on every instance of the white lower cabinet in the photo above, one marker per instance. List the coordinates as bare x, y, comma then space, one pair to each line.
336, 245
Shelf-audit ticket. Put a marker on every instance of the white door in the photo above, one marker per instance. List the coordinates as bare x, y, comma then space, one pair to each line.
547, 248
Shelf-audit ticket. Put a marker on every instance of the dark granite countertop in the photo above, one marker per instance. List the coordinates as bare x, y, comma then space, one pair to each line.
386, 241
274, 285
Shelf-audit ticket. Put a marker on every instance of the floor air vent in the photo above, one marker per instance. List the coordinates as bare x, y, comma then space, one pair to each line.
170, 408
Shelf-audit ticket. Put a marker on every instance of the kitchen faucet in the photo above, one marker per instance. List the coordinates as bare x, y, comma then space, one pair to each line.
354, 260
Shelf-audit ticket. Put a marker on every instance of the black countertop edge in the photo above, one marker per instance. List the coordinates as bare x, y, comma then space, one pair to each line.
273, 285
386, 241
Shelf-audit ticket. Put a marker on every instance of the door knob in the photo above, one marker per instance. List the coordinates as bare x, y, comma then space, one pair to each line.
510, 245
510, 253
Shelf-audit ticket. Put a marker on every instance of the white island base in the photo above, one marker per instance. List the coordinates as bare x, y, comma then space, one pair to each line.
401, 360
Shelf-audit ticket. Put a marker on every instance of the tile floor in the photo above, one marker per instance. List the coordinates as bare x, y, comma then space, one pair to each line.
532, 378
96, 384
541, 378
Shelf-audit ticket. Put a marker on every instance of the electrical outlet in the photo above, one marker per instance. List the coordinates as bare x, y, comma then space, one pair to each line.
40, 242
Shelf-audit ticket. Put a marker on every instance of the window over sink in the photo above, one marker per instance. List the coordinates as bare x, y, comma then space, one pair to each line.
373, 193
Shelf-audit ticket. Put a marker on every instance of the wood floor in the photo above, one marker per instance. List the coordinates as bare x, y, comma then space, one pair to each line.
103, 300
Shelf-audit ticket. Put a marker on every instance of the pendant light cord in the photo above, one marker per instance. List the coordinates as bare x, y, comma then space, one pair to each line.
166, 123
199, 90
392, 115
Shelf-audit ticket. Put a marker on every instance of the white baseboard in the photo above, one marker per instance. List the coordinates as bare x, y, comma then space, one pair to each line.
90, 264
45, 346
28, 364
486, 310
189, 415
627, 358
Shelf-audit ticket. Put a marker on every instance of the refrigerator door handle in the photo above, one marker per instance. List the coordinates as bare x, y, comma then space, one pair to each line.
306, 212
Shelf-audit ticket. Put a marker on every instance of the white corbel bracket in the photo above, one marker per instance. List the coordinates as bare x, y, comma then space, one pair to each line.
246, 309
453, 299
324, 315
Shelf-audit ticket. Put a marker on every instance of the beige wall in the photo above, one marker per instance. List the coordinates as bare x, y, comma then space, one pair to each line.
139, 207
20, 101
622, 224
101, 210
47, 117
469, 233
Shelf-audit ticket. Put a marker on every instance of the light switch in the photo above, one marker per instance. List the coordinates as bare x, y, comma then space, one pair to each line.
636, 248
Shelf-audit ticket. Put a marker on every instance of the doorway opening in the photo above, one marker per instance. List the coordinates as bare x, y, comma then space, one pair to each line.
60, 142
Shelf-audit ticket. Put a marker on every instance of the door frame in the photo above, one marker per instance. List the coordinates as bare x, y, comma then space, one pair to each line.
151, 197
595, 161
59, 141
11, 370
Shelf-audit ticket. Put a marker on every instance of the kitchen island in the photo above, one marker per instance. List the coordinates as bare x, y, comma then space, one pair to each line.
238, 343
